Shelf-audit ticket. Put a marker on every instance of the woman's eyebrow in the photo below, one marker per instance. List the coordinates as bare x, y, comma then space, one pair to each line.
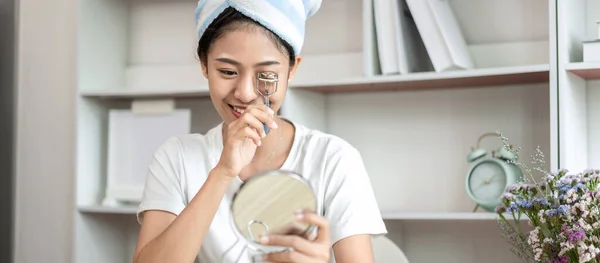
267, 63
236, 63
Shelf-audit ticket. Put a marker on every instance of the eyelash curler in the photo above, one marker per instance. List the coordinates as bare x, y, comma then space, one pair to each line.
270, 83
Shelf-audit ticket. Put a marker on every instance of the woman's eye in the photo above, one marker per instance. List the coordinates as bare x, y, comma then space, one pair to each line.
227, 72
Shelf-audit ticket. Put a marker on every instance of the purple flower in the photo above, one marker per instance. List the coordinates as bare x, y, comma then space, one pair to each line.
507, 198
512, 208
540, 202
561, 259
500, 209
559, 211
585, 180
527, 187
562, 171
564, 189
525, 204
575, 236
543, 184
580, 186
512, 188
588, 171
563, 209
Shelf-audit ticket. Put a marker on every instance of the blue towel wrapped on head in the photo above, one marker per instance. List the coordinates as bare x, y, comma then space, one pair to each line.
285, 18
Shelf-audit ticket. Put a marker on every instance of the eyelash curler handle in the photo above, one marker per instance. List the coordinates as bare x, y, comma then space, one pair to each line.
266, 128
267, 78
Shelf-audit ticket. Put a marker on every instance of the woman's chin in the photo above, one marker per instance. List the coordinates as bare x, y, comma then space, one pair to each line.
227, 117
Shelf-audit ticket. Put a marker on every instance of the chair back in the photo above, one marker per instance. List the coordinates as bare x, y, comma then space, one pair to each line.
386, 251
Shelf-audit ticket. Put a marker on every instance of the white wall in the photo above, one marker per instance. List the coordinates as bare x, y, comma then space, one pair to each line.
45, 131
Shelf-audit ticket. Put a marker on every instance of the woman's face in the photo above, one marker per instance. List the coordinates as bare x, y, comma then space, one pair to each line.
233, 64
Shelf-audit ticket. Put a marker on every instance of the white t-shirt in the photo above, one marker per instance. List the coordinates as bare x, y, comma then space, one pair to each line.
332, 166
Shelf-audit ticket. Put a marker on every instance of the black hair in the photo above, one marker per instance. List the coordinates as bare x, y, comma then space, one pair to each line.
231, 19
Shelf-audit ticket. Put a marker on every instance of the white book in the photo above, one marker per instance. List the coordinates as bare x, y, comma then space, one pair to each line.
386, 28
412, 55
441, 34
370, 56
451, 33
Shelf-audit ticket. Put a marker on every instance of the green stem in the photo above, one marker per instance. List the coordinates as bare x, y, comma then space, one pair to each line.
518, 223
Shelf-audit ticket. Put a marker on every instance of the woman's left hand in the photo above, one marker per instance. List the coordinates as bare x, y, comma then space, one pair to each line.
309, 250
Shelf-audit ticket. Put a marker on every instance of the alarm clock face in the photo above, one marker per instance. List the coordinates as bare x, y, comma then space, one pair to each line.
487, 181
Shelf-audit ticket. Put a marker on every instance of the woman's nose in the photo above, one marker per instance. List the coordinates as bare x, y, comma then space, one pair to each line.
245, 91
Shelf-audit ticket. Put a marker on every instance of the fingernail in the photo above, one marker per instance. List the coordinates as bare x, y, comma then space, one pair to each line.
299, 216
264, 239
275, 125
271, 111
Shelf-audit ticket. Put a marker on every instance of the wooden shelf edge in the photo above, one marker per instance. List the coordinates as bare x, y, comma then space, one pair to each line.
484, 77
100, 209
585, 70
529, 74
404, 216
144, 94
442, 216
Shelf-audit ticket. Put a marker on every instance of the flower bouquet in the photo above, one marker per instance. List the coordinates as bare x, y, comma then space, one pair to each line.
562, 209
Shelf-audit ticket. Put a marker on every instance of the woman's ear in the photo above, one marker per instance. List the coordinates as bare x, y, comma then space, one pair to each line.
294, 68
204, 69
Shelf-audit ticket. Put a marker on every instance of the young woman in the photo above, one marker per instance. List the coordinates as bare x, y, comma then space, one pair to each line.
185, 213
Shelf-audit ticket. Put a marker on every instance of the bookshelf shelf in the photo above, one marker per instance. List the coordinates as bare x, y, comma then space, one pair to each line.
99, 209
147, 94
584, 70
415, 81
433, 80
442, 216
391, 215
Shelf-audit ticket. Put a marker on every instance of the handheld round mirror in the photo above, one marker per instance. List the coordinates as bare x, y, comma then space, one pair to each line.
267, 204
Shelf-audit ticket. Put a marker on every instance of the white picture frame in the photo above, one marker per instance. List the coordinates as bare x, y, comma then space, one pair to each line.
132, 140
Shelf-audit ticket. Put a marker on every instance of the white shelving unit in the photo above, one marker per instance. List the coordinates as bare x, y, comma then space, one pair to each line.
579, 85
414, 131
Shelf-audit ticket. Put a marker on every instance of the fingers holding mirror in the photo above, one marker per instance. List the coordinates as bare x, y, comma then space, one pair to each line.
319, 222
303, 249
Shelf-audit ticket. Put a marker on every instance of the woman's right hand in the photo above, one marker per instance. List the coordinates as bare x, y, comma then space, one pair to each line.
243, 136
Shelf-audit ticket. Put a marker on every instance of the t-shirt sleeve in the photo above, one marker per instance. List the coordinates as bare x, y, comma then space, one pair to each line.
162, 190
350, 204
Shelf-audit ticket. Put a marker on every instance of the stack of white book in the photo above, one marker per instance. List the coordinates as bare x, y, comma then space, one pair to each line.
419, 35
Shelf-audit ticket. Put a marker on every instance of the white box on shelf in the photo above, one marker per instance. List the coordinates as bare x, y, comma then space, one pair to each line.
591, 51
133, 138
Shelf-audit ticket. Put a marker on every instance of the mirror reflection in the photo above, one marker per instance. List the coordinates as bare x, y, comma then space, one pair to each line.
268, 203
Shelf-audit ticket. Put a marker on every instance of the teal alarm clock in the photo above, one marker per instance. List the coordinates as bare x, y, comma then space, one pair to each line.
489, 176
